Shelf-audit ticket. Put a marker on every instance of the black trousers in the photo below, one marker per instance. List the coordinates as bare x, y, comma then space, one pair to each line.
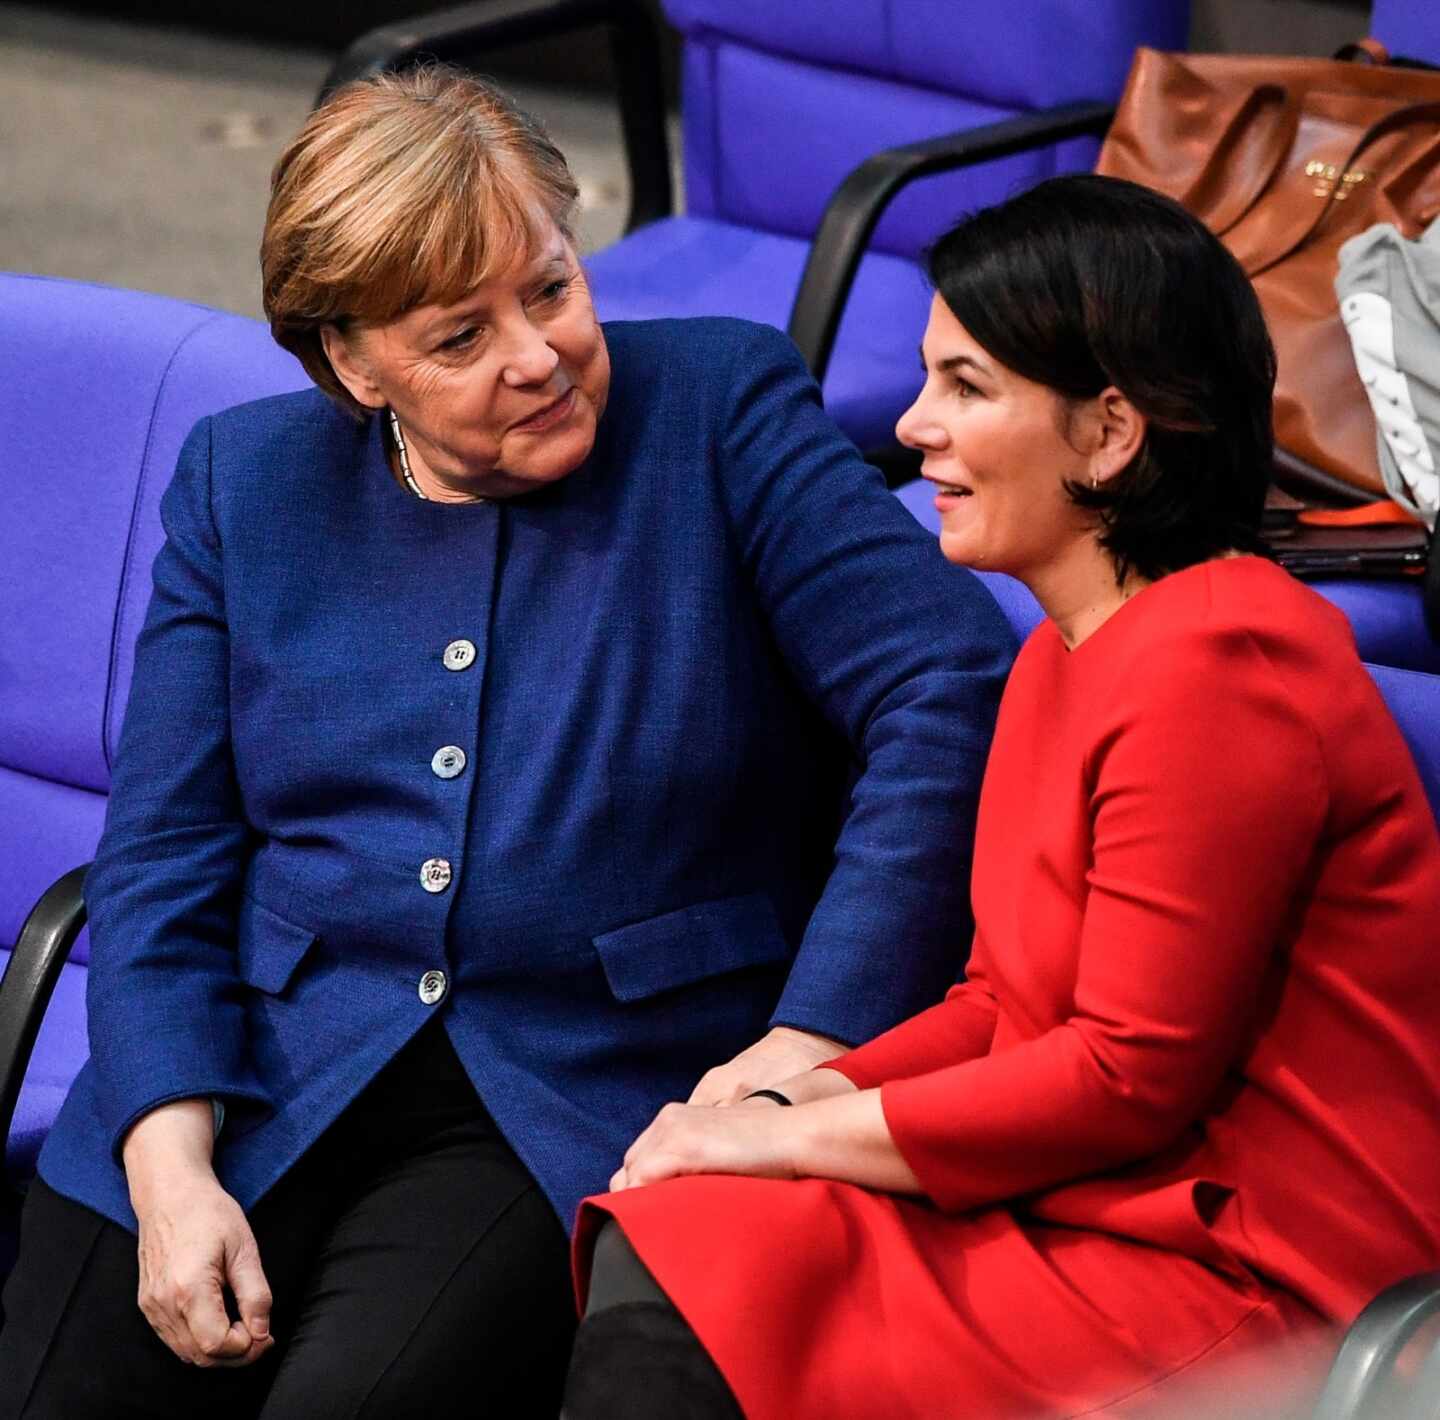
636, 1357
417, 1270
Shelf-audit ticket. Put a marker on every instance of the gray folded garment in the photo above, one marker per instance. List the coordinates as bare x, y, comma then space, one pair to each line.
1389, 290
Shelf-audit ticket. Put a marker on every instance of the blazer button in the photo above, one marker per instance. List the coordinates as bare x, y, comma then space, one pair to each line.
459, 655
448, 762
433, 987
435, 874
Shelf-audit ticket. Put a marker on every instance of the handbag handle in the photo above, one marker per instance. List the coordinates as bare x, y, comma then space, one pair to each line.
1257, 137
1382, 128
1411, 198
1364, 51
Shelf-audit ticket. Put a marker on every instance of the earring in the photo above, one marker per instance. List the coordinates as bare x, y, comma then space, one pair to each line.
1094, 482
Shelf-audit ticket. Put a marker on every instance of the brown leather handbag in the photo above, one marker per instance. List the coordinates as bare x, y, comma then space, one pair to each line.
1285, 159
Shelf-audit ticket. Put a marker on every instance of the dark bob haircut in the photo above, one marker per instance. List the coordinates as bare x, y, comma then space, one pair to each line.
1086, 282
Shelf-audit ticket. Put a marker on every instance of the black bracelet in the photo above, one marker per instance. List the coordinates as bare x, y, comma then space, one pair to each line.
769, 1095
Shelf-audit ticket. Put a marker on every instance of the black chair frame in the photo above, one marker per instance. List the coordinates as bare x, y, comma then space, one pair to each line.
30, 978
464, 33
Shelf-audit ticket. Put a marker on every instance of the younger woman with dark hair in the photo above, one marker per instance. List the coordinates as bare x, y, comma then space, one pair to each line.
1182, 1118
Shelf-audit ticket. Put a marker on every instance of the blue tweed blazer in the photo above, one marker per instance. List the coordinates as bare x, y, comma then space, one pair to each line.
723, 733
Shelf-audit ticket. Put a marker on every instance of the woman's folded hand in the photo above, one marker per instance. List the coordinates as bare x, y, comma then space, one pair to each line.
836, 1131
687, 1139
195, 1242
780, 1054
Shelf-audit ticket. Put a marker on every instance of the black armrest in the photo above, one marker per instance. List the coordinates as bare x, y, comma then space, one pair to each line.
862, 198
1373, 1345
463, 33
29, 981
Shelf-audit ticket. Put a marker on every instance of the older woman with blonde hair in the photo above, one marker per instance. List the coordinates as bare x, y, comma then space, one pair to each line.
539, 721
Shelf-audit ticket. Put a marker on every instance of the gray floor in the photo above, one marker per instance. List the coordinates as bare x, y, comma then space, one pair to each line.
141, 157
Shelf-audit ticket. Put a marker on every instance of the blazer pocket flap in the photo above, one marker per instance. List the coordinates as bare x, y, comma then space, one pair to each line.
270, 947
678, 948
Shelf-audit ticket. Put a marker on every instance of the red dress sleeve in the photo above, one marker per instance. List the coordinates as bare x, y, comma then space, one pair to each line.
961, 1027
1208, 795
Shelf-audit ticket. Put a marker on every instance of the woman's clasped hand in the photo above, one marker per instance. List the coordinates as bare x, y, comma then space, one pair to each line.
685, 1138
753, 1136
782, 1053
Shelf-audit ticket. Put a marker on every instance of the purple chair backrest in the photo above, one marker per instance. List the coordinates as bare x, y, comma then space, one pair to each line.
1408, 27
104, 385
1414, 701
782, 100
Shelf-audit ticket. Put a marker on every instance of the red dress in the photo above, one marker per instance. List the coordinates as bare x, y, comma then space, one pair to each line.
1184, 1112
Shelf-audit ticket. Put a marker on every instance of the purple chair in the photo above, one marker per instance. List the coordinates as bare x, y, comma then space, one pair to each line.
1408, 28
806, 116
106, 384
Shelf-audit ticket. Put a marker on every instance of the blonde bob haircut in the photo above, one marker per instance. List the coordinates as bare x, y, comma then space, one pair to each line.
402, 190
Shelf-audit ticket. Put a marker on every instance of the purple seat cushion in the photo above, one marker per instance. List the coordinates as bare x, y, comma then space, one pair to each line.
692, 266
1414, 700
1388, 618
45, 830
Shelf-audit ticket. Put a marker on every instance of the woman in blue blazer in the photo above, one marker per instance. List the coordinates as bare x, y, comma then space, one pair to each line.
492, 722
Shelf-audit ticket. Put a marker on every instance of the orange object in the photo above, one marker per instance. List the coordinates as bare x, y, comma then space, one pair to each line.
1368, 515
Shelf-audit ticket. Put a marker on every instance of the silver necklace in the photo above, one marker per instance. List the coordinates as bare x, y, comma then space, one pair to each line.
405, 463
404, 458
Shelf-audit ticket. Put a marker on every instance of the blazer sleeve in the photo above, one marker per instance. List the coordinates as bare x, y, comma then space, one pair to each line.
1202, 843
960, 1028
164, 1000
904, 654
